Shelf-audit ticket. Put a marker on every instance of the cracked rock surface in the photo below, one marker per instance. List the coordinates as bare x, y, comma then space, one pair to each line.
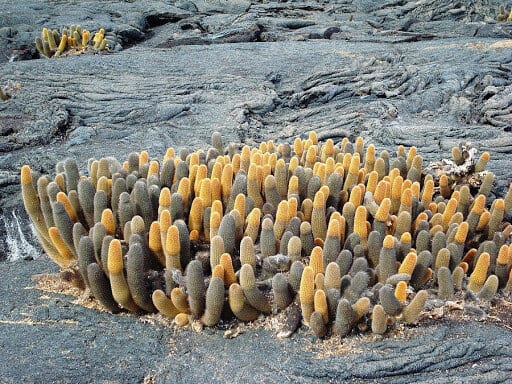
425, 73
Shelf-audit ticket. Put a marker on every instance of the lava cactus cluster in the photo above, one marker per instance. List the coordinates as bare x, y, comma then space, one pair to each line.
74, 41
352, 237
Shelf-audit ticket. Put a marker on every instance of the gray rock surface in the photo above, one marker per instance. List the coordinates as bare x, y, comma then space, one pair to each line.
424, 73
444, 353
46, 338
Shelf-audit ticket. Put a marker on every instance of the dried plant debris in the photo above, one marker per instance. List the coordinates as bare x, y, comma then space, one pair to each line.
334, 236
462, 169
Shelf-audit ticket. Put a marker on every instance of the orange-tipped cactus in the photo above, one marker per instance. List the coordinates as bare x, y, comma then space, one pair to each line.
444, 186
215, 219
382, 191
483, 221
184, 190
108, 220
155, 242
479, 275
462, 233
318, 219
496, 218
195, 220
32, 205
63, 198
382, 216
240, 205
201, 174
164, 200
226, 182
408, 264
253, 224
205, 192
482, 162
413, 310
387, 259
218, 271
164, 304
320, 304
401, 291
316, 260
182, 319
173, 248
449, 211
254, 296
307, 293
281, 219
180, 300
360, 223
118, 283
293, 186
353, 173
311, 156
406, 201
239, 304
298, 147
356, 196
229, 272
66, 257
254, 186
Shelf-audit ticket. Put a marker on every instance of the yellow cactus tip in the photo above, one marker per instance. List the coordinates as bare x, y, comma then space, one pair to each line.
319, 201
115, 257
108, 220
334, 228
401, 291
389, 242
407, 197
503, 255
181, 319
173, 240
383, 210
464, 266
218, 271
479, 204
408, 264
406, 237
499, 204
282, 211
54, 232
313, 137
194, 235
462, 232
26, 175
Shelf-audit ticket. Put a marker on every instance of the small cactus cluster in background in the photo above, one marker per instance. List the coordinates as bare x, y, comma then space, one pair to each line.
503, 15
74, 41
9, 90
3, 95
353, 238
